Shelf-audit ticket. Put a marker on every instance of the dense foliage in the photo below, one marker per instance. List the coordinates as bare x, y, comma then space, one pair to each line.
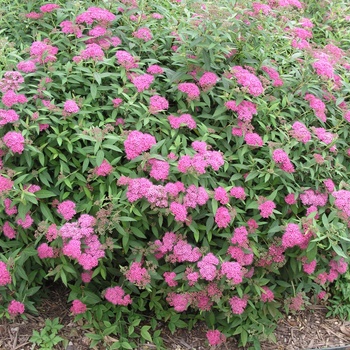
174, 161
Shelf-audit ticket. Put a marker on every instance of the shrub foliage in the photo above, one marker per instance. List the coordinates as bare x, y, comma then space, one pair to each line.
174, 161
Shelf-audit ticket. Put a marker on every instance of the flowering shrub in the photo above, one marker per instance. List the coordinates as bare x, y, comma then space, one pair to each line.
197, 174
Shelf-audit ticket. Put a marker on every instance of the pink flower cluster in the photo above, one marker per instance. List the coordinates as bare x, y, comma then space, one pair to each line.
15, 308
342, 201
233, 272
44, 251
97, 14
137, 143
138, 275
14, 141
70, 107
8, 231
179, 301
66, 209
183, 119
5, 277
221, 195
318, 106
273, 75
155, 69
324, 68
238, 304
267, 295
313, 198
143, 82
245, 110
208, 80
104, 169
248, 80
301, 132
77, 307
281, 157
126, 60
11, 80
215, 337
143, 33
207, 267
169, 278
92, 51
41, 52
5, 184
201, 160
253, 139
159, 169
190, 89
238, 193
222, 217
10, 98
49, 7
117, 296
266, 208
80, 242
292, 236
157, 104
323, 135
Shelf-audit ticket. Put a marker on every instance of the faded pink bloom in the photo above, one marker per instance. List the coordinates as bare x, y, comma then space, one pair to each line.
267, 295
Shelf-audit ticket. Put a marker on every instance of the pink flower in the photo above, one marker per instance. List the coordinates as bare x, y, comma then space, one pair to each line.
208, 80
137, 142
292, 236
9, 209
143, 82
44, 251
92, 51
49, 7
160, 169
170, 279
143, 33
179, 211
8, 116
232, 271
26, 223
221, 195
5, 277
190, 89
104, 169
8, 231
267, 295
34, 15
310, 267
26, 66
184, 119
300, 132
266, 208
138, 275
253, 139
97, 31
116, 296
14, 141
180, 302
157, 104
324, 68
126, 60
290, 199
248, 80
222, 217
273, 75
66, 209
240, 236
317, 105
117, 102
238, 304
77, 307
238, 192
215, 337
70, 106
281, 157
155, 69
95, 14
86, 276
5, 184
15, 308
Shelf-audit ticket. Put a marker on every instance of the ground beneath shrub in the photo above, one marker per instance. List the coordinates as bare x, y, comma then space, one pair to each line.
307, 329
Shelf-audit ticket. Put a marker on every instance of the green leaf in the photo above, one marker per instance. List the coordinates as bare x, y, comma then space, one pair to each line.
145, 334
100, 157
44, 194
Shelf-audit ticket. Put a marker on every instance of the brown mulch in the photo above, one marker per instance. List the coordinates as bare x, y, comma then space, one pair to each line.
308, 329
